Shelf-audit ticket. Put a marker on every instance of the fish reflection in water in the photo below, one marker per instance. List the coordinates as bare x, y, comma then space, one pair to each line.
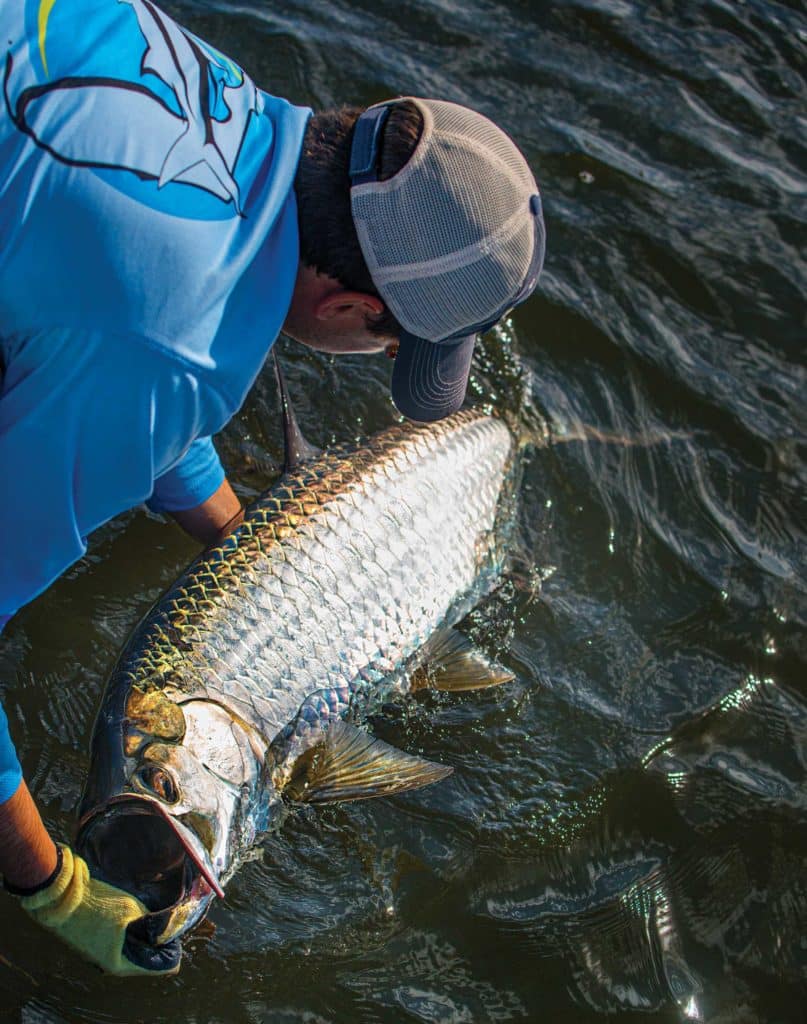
692, 916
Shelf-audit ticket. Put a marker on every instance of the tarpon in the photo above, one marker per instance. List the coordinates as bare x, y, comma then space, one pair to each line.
247, 684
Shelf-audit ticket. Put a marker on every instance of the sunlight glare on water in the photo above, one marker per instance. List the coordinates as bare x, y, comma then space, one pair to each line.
624, 834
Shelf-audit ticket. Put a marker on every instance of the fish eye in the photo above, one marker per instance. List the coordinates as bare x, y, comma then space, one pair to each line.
158, 781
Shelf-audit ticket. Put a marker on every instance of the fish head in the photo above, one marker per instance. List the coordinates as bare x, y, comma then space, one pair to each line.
171, 809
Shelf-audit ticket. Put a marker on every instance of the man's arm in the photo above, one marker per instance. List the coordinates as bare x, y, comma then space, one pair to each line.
83, 422
196, 494
213, 519
27, 852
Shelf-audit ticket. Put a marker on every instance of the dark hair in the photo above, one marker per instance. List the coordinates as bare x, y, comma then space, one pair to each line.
328, 239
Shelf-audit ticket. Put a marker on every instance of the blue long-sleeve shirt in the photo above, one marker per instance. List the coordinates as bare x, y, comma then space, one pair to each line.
148, 253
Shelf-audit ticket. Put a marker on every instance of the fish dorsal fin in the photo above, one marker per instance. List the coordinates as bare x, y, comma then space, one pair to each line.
350, 764
297, 449
449, 661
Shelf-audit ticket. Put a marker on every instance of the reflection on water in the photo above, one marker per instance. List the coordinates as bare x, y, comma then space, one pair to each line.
750, 749
623, 837
644, 918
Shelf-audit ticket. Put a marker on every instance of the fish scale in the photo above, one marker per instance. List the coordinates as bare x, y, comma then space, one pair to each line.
305, 578
316, 608
280, 589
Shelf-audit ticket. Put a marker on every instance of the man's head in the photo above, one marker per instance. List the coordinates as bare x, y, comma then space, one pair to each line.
420, 222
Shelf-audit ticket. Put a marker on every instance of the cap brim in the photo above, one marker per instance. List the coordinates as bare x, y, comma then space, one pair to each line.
429, 380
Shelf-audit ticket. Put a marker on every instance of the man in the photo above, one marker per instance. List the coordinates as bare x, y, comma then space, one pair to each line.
161, 221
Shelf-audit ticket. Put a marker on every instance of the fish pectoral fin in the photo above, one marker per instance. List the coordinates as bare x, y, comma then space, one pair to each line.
449, 661
350, 764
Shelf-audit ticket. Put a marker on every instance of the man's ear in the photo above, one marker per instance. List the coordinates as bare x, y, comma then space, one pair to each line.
346, 305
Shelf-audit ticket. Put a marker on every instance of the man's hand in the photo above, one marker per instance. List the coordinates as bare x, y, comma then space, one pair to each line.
56, 889
92, 917
213, 519
27, 852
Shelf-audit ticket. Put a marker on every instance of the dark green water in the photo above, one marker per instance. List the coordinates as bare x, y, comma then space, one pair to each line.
625, 834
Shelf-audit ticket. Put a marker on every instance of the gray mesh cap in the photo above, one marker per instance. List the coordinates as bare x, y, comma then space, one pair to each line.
453, 241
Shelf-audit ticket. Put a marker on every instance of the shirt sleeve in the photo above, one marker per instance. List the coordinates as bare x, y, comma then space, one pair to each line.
87, 423
10, 771
197, 476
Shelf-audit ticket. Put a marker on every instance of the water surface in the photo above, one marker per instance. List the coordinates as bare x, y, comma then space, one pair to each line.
625, 833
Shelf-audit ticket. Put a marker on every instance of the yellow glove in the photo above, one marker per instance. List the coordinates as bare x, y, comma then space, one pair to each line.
92, 917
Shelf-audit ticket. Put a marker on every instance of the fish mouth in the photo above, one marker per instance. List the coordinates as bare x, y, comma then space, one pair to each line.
131, 842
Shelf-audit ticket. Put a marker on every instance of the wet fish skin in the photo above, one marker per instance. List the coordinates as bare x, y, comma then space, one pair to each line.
314, 607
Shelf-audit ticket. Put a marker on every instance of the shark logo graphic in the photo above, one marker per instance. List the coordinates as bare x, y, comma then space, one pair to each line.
183, 120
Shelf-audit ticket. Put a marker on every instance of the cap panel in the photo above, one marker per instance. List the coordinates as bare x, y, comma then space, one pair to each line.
420, 154
468, 127
498, 240
448, 240
456, 190
438, 305
439, 209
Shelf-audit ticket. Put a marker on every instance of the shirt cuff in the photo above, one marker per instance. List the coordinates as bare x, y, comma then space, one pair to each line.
10, 771
196, 477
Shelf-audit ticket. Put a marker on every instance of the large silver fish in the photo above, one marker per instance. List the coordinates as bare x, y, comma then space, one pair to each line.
244, 684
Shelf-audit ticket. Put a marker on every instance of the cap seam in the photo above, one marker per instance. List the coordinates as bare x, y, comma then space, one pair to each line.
491, 157
428, 386
455, 260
